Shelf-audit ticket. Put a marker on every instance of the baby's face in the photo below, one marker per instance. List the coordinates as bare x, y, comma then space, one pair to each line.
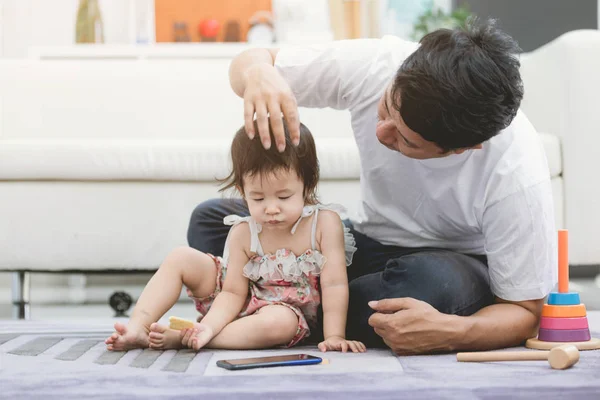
275, 200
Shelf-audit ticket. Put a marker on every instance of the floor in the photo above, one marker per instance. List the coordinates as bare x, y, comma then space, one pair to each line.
378, 374
67, 360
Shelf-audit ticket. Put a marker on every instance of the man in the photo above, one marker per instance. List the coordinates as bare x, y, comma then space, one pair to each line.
456, 237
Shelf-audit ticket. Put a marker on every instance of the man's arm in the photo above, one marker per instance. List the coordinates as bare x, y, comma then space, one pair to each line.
243, 63
331, 74
253, 77
503, 324
410, 326
520, 241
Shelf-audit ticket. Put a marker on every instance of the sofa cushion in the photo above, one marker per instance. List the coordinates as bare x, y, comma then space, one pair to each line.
169, 160
147, 160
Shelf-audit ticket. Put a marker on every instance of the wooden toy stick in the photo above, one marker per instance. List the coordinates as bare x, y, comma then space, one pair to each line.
563, 261
560, 357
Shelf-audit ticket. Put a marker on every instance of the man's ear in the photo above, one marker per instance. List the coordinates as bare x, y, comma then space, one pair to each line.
476, 147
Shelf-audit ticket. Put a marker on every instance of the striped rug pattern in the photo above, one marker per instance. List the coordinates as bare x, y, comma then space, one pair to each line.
42, 343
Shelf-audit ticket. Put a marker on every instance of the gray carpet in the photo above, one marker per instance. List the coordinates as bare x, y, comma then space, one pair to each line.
68, 360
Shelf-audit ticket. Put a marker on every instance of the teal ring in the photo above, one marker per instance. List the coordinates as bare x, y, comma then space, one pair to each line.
564, 299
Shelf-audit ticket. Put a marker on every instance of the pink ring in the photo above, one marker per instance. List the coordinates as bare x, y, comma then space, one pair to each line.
564, 323
564, 335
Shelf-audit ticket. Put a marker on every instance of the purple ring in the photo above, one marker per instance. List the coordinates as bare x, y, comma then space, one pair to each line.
564, 335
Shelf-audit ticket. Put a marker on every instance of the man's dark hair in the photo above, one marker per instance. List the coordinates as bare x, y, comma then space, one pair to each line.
460, 87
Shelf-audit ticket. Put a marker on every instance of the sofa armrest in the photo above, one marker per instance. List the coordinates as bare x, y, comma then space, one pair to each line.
562, 84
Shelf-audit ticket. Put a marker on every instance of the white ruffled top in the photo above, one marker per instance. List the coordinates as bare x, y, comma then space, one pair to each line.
284, 264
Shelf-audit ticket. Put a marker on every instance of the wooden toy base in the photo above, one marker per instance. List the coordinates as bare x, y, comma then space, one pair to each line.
591, 344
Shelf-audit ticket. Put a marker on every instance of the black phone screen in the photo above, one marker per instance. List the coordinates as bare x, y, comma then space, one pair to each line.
261, 360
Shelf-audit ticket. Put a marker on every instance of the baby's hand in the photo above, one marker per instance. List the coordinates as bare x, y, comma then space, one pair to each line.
338, 343
196, 337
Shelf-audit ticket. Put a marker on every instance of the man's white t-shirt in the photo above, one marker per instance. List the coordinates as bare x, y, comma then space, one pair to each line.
495, 201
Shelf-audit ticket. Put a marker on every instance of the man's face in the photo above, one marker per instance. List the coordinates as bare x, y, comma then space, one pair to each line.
393, 133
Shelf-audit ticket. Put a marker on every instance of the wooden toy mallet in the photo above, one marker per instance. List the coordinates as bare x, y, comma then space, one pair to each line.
561, 357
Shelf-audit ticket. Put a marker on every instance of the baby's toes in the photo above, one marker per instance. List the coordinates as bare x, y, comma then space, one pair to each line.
112, 338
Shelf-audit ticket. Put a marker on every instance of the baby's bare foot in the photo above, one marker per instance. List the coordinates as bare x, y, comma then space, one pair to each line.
127, 338
161, 337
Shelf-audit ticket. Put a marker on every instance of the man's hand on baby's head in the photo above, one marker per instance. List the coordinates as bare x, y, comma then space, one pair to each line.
338, 343
270, 97
196, 337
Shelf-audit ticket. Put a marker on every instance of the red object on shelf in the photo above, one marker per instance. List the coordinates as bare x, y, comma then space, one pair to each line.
209, 28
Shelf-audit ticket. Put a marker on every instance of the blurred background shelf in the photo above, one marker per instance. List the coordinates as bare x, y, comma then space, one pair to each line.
133, 52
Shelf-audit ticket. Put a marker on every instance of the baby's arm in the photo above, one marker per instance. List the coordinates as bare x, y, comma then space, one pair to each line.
229, 302
334, 284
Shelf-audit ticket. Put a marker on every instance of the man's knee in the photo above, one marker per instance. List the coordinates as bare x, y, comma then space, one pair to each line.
362, 290
451, 282
206, 231
205, 212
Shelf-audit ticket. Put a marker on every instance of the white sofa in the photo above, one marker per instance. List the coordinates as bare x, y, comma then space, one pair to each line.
103, 161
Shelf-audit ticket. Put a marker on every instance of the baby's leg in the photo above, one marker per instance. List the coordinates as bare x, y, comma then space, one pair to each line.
271, 326
183, 266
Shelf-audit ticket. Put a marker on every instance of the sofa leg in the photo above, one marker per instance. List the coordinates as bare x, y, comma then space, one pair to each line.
20, 295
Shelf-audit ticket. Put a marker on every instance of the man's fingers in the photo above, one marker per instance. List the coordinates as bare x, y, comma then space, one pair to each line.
392, 305
277, 125
262, 121
380, 332
379, 320
249, 118
290, 112
388, 343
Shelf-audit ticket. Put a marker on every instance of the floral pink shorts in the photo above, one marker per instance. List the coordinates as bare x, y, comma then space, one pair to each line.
253, 304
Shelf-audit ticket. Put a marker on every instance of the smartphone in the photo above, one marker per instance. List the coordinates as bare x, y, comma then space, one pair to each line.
264, 362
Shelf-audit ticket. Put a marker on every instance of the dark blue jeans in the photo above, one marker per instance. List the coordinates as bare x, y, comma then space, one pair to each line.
453, 283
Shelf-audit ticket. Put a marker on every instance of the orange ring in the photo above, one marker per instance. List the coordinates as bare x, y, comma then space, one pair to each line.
564, 311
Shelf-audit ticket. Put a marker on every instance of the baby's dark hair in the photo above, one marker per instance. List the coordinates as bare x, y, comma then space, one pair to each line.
249, 157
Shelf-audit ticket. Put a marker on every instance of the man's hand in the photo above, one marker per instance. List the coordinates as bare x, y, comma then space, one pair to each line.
196, 337
338, 343
410, 326
269, 96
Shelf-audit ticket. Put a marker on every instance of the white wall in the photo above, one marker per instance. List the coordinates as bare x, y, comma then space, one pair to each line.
32, 23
